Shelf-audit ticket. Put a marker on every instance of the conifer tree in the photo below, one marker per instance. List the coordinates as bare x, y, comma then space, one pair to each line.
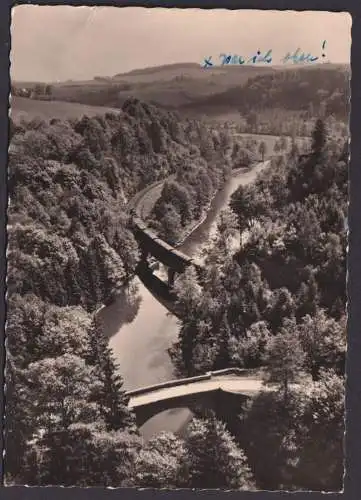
223, 356
110, 397
90, 278
73, 288
214, 459
294, 151
284, 357
318, 137
16, 430
262, 149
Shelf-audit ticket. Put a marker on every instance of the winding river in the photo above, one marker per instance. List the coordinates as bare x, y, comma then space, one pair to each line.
140, 346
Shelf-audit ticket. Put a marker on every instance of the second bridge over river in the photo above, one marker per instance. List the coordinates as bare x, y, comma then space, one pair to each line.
151, 245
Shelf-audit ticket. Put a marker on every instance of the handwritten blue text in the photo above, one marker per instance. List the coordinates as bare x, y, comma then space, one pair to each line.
296, 57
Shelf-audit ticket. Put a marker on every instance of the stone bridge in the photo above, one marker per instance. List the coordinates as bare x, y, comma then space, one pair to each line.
152, 246
222, 391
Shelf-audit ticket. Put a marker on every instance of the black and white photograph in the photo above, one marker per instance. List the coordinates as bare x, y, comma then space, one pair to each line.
177, 247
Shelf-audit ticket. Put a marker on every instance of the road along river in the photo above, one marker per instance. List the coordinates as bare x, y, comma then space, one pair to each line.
140, 346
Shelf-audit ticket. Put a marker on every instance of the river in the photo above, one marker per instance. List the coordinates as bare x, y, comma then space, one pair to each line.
140, 346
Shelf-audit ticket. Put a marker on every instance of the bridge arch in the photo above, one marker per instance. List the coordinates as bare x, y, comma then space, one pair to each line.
222, 391
148, 411
170, 420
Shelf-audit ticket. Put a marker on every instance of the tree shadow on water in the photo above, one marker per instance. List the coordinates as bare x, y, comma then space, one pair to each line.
123, 310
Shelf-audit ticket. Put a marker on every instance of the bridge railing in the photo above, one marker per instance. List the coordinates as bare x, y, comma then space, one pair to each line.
148, 234
169, 383
233, 371
189, 380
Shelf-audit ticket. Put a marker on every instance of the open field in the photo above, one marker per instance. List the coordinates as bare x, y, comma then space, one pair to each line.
28, 109
270, 140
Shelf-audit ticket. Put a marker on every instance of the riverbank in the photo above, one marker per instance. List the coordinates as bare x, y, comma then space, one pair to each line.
193, 226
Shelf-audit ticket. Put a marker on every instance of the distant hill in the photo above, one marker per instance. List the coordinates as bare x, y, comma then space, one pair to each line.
152, 69
169, 86
156, 70
193, 90
294, 88
24, 108
226, 74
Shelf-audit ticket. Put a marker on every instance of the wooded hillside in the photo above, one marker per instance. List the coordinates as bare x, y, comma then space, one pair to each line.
279, 303
69, 252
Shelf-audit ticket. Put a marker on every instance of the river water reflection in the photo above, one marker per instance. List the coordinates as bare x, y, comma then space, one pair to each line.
140, 347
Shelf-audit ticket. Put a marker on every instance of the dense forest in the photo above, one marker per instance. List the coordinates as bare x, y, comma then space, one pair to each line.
322, 90
278, 304
70, 252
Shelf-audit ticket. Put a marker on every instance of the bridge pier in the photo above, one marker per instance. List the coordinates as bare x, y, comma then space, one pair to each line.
144, 254
171, 277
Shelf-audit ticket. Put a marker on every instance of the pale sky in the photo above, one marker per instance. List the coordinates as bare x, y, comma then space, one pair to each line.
62, 42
